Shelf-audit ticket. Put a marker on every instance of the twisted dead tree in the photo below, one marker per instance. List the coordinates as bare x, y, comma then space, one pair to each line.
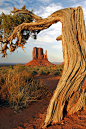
68, 95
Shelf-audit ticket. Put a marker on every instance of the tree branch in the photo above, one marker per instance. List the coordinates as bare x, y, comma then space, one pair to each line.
18, 11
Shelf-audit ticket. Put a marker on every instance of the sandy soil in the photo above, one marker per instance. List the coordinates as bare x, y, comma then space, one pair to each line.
33, 116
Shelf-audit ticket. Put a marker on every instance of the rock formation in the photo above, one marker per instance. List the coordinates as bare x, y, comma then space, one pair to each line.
38, 53
39, 58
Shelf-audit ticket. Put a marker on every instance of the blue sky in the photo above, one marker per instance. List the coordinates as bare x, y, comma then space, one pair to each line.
46, 38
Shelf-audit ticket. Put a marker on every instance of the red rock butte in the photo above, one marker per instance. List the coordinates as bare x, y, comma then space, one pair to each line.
39, 58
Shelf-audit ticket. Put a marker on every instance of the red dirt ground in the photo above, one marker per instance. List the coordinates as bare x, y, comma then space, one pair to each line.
33, 116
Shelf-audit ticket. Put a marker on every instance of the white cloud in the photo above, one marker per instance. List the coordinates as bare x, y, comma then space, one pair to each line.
49, 35
6, 11
57, 47
48, 10
1, 2
41, 39
7, 5
45, 38
55, 30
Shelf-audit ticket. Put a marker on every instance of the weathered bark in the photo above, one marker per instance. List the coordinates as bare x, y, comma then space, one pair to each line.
68, 94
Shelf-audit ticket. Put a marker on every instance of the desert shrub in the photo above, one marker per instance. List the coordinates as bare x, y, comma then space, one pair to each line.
31, 69
46, 70
18, 89
34, 72
40, 72
55, 72
19, 67
36, 68
11, 67
43, 71
17, 86
4, 70
60, 67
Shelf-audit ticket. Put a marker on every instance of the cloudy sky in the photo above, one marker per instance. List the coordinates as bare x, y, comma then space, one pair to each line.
46, 38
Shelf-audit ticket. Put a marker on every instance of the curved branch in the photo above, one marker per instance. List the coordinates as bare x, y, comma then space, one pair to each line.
31, 27
17, 11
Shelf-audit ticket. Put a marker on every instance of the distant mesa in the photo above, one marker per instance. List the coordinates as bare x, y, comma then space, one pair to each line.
38, 53
39, 58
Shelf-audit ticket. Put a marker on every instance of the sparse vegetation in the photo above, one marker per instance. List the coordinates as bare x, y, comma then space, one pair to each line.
18, 87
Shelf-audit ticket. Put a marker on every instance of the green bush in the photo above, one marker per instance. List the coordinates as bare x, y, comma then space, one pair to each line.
40, 72
43, 71
57, 73
34, 72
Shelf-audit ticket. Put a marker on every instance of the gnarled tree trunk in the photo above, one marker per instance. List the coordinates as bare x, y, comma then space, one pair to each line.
68, 94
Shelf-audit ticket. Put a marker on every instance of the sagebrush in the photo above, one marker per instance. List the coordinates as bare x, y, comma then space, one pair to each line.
18, 87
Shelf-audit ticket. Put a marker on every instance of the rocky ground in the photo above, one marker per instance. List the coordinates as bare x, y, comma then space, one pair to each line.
33, 116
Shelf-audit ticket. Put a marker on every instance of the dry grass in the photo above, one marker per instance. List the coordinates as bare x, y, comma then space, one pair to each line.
18, 89
17, 86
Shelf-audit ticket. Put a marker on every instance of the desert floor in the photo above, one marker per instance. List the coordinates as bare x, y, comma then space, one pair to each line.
33, 116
